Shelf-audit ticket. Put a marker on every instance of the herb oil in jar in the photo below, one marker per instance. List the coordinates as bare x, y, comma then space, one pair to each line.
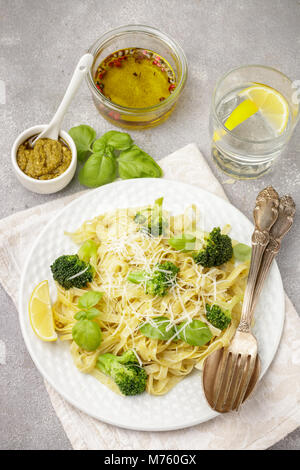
135, 78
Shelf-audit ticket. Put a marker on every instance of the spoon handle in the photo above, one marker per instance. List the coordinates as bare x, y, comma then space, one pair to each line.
286, 212
265, 213
81, 68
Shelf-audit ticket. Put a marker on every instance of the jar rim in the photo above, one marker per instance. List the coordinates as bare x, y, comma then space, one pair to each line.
151, 31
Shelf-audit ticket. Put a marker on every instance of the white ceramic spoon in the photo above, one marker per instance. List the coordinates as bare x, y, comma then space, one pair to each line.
53, 129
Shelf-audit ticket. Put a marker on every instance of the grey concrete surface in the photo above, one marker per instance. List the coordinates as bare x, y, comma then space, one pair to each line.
40, 43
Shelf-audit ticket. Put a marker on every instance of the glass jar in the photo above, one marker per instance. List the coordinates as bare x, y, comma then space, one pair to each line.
145, 37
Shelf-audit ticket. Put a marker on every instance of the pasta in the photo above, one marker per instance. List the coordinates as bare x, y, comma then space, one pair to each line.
125, 306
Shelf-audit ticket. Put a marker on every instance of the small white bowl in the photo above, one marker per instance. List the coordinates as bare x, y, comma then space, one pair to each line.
44, 186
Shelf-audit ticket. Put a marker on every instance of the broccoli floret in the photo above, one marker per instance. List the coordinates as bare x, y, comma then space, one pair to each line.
125, 370
164, 276
70, 271
218, 317
216, 251
151, 220
159, 281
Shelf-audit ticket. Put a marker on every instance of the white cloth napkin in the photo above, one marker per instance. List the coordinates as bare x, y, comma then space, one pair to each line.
264, 419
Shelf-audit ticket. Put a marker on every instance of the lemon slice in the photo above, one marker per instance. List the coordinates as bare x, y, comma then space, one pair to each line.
242, 112
40, 313
271, 104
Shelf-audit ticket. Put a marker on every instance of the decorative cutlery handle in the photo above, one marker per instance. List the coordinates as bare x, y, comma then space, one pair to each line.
265, 214
285, 219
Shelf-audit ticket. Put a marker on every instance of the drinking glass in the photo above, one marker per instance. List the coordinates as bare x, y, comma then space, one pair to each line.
248, 149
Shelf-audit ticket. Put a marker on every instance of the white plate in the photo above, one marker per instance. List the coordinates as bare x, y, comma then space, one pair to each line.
185, 404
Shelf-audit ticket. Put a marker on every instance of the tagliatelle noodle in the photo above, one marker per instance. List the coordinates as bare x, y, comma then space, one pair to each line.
123, 248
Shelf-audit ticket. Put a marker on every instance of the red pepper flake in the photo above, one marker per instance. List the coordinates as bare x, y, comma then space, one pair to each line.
100, 86
118, 63
155, 62
171, 87
111, 64
114, 115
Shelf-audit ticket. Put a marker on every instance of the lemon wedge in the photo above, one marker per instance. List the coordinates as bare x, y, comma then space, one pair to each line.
271, 104
40, 313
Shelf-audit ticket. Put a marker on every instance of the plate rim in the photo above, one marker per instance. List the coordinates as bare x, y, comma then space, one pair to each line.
212, 414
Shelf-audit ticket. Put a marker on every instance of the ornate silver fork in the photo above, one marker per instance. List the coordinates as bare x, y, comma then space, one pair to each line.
229, 372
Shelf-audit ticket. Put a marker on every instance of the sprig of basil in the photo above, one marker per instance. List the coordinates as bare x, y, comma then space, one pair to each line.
87, 303
83, 137
159, 328
183, 242
195, 333
135, 163
112, 152
242, 252
86, 333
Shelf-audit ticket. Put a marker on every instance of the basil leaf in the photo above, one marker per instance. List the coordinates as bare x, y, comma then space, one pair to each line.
183, 242
87, 334
99, 169
159, 328
195, 332
80, 315
242, 252
92, 313
99, 145
83, 137
118, 140
89, 299
135, 163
